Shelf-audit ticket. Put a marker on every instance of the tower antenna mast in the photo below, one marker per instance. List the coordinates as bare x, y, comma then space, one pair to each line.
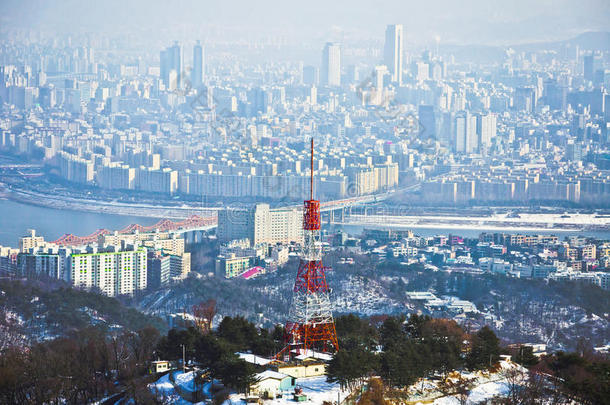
311, 174
310, 324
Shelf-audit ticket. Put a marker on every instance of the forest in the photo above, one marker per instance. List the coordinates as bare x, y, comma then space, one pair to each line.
90, 364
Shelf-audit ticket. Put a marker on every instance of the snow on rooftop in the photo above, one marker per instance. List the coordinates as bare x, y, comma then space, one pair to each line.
254, 359
420, 295
271, 374
305, 354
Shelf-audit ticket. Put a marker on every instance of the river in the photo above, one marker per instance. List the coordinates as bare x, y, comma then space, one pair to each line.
16, 218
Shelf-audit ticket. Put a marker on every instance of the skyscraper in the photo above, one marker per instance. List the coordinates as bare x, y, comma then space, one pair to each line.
466, 139
175, 54
588, 66
198, 65
393, 51
377, 97
427, 122
311, 75
164, 67
171, 59
331, 64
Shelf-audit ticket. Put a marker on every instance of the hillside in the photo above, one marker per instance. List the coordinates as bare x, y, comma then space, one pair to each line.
518, 310
32, 311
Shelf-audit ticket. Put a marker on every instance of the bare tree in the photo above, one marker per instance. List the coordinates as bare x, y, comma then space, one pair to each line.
460, 387
204, 313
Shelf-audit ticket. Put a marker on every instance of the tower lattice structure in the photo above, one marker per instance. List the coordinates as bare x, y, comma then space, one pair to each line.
311, 324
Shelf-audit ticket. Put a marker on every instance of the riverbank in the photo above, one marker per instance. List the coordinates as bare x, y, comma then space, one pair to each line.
525, 222
104, 207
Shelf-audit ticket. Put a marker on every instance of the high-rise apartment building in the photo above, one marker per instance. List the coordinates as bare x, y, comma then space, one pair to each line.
330, 73
113, 272
260, 224
116, 176
74, 168
486, 129
466, 139
393, 52
31, 241
158, 270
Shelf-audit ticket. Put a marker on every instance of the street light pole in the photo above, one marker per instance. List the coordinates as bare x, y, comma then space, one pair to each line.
183, 359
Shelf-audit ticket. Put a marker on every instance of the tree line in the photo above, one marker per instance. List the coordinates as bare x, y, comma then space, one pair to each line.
401, 350
93, 363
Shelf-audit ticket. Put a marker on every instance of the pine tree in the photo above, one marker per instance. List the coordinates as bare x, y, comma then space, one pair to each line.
484, 349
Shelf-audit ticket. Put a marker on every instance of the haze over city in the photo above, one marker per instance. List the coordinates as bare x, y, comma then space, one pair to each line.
271, 202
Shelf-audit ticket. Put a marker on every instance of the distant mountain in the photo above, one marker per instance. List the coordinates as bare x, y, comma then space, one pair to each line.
490, 53
32, 311
593, 41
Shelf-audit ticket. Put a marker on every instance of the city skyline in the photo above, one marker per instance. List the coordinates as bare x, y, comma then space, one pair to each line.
212, 202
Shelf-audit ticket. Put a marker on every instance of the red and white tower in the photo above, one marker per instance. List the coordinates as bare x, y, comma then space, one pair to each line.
311, 324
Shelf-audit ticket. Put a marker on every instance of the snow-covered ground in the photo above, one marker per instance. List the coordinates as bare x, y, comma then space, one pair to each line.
364, 296
165, 391
317, 390
479, 394
486, 386
186, 381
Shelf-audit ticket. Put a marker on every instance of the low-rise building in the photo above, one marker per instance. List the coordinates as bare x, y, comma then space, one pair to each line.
270, 384
231, 266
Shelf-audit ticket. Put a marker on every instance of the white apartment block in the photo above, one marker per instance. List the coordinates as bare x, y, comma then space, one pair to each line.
261, 224
114, 273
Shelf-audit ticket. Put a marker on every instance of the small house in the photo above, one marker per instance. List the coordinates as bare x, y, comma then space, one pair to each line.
270, 384
159, 366
306, 368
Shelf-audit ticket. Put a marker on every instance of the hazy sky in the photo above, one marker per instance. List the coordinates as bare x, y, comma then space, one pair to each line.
472, 21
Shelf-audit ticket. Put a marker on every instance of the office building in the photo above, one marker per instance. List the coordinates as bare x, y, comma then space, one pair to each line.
311, 75
197, 73
378, 96
171, 66
330, 73
589, 67
393, 51
427, 122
